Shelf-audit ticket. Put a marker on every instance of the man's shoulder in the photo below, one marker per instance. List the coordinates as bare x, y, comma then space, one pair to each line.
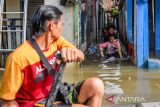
22, 50
61, 39
58, 40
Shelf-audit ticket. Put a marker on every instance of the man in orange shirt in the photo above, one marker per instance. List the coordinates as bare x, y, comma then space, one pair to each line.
23, 66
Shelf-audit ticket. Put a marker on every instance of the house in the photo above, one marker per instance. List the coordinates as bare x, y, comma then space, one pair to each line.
140, 30
83, 21
15, 16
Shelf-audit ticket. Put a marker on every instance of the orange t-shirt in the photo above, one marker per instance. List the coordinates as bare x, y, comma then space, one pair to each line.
23, 66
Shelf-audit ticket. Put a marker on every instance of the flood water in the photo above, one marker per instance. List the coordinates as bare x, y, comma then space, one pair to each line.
121, 80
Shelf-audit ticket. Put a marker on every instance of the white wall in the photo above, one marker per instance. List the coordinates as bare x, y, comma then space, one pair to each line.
68, 12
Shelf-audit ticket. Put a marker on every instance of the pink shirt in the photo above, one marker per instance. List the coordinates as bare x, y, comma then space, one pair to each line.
115, 44
110, 46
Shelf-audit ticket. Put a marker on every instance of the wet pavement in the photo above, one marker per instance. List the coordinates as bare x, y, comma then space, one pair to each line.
125, 85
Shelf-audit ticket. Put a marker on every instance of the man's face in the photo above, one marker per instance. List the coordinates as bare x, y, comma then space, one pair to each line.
111, 39
57, 29
111, 30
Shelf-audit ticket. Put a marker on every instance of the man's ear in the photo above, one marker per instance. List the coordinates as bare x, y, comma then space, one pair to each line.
51, 25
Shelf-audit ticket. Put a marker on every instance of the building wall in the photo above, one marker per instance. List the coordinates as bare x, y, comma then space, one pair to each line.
76, 25
142, 33
157, 25
129, 20
13, 6
139, 54
68, 13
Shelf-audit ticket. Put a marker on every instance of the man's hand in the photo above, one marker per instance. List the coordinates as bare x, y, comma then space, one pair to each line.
71, 55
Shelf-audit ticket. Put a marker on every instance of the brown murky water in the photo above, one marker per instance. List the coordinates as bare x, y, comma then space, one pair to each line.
121, 80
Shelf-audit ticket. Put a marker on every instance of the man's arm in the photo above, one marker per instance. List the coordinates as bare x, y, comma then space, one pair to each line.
10, 84
72, 55
8, 103
101, 48
103, 45
69, 52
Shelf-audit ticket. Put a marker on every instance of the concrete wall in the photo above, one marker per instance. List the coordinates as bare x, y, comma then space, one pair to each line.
13, 6
76, 25
68, 13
